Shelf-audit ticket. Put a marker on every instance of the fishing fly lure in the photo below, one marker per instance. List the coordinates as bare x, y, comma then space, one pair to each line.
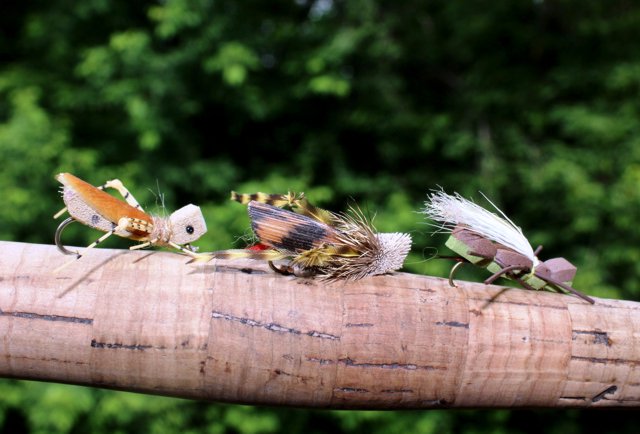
95, 208
317, 242
496, 243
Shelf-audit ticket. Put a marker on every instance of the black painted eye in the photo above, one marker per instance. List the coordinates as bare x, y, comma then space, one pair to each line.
190, 229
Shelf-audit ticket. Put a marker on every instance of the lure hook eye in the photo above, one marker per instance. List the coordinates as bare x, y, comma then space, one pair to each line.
59, 244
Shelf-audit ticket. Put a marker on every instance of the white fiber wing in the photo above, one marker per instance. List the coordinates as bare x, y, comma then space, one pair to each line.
456, 210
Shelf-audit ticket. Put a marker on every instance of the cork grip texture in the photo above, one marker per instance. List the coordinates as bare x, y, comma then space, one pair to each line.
234, 331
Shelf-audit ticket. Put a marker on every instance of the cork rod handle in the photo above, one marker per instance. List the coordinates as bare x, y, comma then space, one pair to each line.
234, 331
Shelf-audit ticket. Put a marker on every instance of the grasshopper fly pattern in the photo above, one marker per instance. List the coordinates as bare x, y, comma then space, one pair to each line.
93, 207
317, 242
493, 241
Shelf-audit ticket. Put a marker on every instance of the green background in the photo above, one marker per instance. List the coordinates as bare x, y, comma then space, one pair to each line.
534, 103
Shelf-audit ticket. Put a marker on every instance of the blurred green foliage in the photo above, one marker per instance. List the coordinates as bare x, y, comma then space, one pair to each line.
535, 103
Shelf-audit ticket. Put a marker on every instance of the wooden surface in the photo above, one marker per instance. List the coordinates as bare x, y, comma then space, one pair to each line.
234, 331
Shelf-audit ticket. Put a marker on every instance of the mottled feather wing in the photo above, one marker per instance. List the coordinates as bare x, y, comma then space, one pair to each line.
286, 230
